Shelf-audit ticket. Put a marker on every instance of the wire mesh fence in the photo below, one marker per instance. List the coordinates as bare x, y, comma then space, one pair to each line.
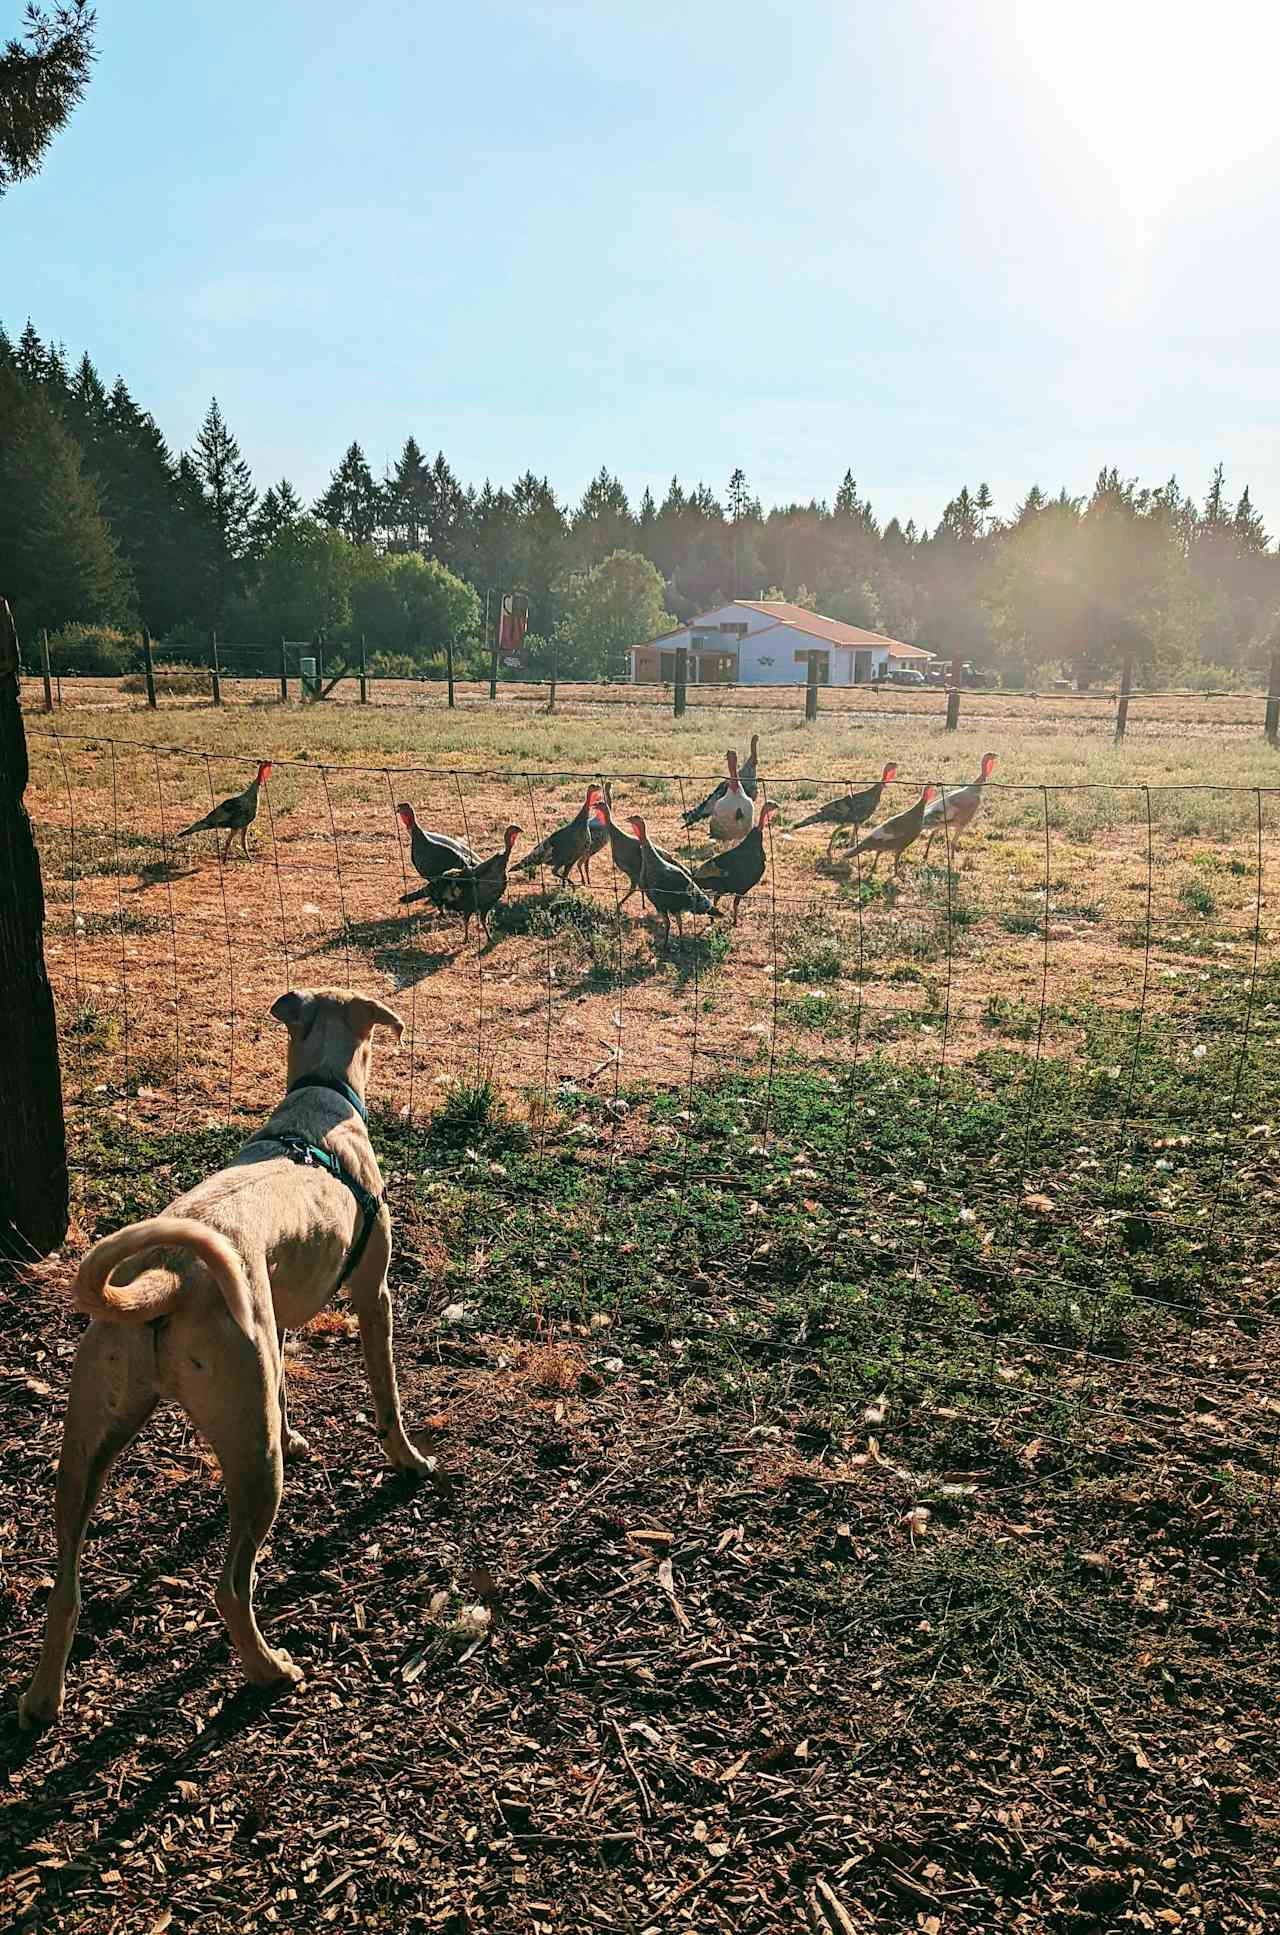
1005, 1122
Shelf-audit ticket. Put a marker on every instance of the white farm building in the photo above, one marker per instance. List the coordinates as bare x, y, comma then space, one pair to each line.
765, 641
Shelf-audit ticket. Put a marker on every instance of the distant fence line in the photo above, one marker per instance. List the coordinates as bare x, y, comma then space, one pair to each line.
315, 671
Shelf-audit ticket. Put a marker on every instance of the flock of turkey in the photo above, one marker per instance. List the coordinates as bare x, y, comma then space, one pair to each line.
736, 812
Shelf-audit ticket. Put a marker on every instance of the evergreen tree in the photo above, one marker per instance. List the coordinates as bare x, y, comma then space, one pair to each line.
229, 494
42, 76
60, 562
279, 507
602, 522
407, 500
353, 502
31, 356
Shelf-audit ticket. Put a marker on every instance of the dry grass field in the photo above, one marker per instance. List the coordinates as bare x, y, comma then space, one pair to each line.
850, 1342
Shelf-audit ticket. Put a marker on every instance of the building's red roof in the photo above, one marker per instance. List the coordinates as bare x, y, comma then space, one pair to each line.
834, 630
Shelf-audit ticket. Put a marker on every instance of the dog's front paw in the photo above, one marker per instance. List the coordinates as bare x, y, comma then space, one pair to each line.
38, 1710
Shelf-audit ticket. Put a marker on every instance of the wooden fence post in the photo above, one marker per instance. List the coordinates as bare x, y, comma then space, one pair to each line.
33, 1148
555, 670
953, 693
449, 660
1122, 709
493, 667
148, 666
284, 673
44, 660
682, 674
811, 690
1273, 702
364, 672
214, 668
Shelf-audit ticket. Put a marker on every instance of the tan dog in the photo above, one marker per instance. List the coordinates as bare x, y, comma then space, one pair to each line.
191, 1306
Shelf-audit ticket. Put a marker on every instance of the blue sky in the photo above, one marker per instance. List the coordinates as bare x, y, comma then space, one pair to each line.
934, 244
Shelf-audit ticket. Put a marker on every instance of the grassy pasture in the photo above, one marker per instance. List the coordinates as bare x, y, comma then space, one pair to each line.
850, 1344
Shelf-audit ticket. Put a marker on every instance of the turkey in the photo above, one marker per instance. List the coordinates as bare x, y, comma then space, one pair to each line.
470, 890
896, 835
569, 845
233, 816
433, 853
666, 884
851, 809
734, 812
740, 869
747, 774
598, 829
957, 809
627, 852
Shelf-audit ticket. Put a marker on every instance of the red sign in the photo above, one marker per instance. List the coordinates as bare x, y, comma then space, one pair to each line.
513, 623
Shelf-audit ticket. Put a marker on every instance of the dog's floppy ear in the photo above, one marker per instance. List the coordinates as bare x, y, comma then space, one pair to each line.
366, 1015
290, 1009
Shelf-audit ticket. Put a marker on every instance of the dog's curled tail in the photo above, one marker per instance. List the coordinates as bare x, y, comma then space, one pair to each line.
156, 1292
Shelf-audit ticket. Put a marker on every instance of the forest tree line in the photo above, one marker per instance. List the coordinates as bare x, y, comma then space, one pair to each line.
105, 527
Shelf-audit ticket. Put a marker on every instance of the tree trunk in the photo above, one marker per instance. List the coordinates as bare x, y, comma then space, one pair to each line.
33, 1146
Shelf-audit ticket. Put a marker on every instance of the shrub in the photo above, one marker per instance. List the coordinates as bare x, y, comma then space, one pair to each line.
94, 651
173, 681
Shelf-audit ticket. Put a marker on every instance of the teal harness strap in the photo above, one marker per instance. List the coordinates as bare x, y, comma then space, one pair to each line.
311, 1156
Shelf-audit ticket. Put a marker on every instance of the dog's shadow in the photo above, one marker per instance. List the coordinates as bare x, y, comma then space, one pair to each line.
31, 1816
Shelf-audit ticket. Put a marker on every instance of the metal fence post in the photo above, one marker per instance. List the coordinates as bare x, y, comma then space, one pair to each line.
449, 660
1122, 709
811, 690
284, 673
148, 666
48, 682
682, 674
214, 668
953, 693
1273, 702
364, 672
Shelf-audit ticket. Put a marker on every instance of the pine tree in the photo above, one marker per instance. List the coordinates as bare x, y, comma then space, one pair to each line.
228, 492
353, 503
31, 356
60, 562
408, 500
42, 76
602, 522
279, 507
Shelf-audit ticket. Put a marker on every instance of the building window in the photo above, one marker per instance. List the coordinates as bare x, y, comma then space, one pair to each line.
823, 661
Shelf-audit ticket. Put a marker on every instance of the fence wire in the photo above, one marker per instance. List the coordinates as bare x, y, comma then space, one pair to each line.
1019, 1105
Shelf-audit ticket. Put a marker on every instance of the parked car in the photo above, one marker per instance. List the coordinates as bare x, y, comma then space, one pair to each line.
906, 675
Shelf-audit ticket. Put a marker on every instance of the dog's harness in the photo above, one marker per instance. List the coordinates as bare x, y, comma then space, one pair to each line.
312, 1156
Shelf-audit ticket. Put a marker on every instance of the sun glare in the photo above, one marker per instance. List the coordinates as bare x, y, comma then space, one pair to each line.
1168, 108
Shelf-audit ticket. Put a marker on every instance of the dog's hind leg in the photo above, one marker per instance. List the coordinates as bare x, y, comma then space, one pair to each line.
111, 1399
237, 1407
292, 1442
373, 1308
